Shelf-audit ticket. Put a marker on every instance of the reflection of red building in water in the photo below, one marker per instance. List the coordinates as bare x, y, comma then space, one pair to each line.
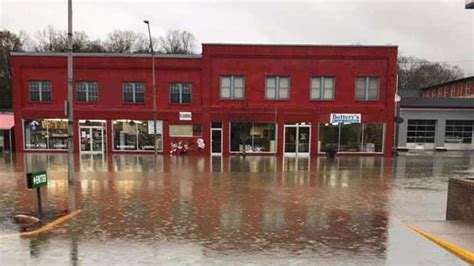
231, 203
265, 99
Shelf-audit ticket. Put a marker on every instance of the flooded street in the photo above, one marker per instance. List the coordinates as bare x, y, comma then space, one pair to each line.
137, 209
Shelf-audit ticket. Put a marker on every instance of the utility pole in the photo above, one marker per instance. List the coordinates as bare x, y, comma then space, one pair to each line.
69, 104
154, 86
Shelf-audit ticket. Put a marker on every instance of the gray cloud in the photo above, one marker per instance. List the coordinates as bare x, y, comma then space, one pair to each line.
436, 30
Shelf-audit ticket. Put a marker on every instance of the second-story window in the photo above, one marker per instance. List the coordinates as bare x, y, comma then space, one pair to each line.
367, 88
39, 90
86, 91
277, 88
232, 87
322, 88
133, 92
468, 89
180, 92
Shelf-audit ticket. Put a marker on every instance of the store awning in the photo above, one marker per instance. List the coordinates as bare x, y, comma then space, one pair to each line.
6, 121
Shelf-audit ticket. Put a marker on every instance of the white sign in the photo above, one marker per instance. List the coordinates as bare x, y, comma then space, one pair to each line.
185, 116
345, 118
151, 127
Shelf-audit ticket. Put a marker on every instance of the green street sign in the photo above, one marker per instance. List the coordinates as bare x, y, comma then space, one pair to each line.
36, 179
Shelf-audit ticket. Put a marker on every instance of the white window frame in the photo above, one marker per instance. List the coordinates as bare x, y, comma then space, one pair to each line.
180, 86
40, 90
134, 91
87, 90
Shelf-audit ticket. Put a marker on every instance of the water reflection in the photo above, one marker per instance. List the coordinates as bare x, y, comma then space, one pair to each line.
307, 205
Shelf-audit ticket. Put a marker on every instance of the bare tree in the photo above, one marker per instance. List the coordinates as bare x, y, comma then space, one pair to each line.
120, 41
142, 44
416, 73
52, 40
49, 40
177, 42
9, 42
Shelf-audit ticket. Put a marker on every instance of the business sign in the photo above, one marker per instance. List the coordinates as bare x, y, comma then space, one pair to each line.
345, 118
185, 116
36, 179
151, 127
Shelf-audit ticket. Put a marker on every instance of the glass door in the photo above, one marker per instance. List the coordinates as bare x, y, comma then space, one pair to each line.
92, 139
97, 140
290, 139
297, 139
85, 139
216, 141
303, 139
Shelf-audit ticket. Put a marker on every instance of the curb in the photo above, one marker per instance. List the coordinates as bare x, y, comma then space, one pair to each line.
463, 254
47, 227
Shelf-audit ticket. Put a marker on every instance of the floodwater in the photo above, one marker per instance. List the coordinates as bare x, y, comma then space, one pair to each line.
137, 209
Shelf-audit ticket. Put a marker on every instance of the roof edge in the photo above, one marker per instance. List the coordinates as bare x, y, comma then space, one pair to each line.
447, 82
300, 45
61, 54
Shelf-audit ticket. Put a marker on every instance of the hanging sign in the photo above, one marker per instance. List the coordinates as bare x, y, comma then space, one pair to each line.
185, 116
345, 118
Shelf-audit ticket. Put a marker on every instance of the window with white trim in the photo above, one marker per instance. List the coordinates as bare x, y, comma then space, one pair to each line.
180, 93
277, 88
468, 89
421, 131
322, 88
39, 90
367, 88
232, 87
459, 131
133, 92
86, 91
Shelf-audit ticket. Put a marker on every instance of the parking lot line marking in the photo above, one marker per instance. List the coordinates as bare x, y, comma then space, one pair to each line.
465, 255
47, 227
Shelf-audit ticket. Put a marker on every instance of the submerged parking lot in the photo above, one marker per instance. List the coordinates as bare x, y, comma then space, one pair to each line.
140, 209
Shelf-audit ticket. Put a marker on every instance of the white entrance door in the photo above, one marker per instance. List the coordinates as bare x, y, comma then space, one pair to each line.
297, 140
92, 140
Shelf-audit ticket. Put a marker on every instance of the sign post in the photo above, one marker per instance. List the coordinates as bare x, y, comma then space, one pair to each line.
37, 180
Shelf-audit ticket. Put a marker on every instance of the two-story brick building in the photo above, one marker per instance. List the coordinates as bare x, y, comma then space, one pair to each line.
257, 99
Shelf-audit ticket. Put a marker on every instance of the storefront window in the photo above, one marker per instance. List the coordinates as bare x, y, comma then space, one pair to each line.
252, 137
350, 139
45, 134
354, 137
132, 135
372, 138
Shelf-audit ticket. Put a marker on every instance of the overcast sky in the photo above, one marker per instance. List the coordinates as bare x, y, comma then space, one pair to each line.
436, 30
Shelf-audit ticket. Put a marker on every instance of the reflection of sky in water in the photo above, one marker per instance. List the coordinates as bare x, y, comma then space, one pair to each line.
254, 209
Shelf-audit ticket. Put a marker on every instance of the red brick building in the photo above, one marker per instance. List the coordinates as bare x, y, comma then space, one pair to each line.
460, 88
257, 99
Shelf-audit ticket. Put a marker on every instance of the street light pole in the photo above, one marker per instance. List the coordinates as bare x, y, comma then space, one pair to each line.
154, 85
69, 107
